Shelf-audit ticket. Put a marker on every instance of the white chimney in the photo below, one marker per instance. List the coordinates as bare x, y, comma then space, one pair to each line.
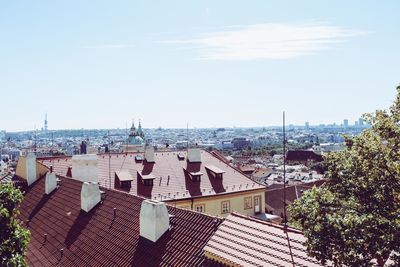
149, 154
50, 183
154, 219
90, 195
84, 168
30, 162
194, 155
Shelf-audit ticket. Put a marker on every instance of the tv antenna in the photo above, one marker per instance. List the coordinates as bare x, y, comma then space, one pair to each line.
284, 170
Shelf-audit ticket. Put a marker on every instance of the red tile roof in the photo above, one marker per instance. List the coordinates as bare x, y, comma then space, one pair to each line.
246, 241
274, 196
172, 181
96, 239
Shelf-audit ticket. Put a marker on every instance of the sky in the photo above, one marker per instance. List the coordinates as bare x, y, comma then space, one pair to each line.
100, 64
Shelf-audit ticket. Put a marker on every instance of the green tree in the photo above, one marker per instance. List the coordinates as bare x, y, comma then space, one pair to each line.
13, 237
354, 219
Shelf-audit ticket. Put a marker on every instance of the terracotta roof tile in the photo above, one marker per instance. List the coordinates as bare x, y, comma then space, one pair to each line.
172, 181
250, 242
96, 239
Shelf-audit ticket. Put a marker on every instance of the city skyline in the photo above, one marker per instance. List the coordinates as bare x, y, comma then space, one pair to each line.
96, 65
344, 123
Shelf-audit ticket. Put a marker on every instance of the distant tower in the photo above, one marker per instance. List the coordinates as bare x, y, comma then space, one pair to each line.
346, 123
307, 125
45, 123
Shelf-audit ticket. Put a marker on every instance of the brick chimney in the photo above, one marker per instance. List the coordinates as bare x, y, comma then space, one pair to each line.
90, 195
154, 220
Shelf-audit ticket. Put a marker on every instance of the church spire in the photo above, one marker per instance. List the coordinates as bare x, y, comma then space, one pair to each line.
140, 131
133, 128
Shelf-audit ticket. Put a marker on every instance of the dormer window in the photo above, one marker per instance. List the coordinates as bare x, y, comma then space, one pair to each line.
196, 176
147, 179
217, 172
138, 158
123, 179
181, 156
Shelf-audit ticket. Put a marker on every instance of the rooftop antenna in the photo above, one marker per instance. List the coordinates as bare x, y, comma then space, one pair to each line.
284, 171
35, 146
127, 137
109, 161
52, 151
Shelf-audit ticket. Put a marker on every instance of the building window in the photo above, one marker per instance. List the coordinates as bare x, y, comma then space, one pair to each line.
200, 208
248, 203
257, 204
225, 206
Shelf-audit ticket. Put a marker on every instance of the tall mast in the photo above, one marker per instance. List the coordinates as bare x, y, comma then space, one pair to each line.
284, 171
109, 161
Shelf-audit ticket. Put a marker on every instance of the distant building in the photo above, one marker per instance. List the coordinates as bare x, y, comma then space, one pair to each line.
135, 141
360, 122
328, 147
307, 125
240, 143
303, 156
346, 123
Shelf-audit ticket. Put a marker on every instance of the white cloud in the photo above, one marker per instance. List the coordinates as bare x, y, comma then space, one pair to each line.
267, 41
108, 46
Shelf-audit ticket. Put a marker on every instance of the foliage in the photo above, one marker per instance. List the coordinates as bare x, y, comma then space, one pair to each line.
13, 237
319, 167
354, 219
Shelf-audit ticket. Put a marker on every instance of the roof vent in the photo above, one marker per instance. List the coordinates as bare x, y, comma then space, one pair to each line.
90, 195
154, 220
50, 183
181, 156
194, 155
149, 154
138, 158
30, 162
84, 168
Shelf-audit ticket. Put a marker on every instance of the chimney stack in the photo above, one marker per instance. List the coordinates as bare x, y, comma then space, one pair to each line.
149, 154
194, 155
154, 219
51, 182
30, 162
84, 168
90, 195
